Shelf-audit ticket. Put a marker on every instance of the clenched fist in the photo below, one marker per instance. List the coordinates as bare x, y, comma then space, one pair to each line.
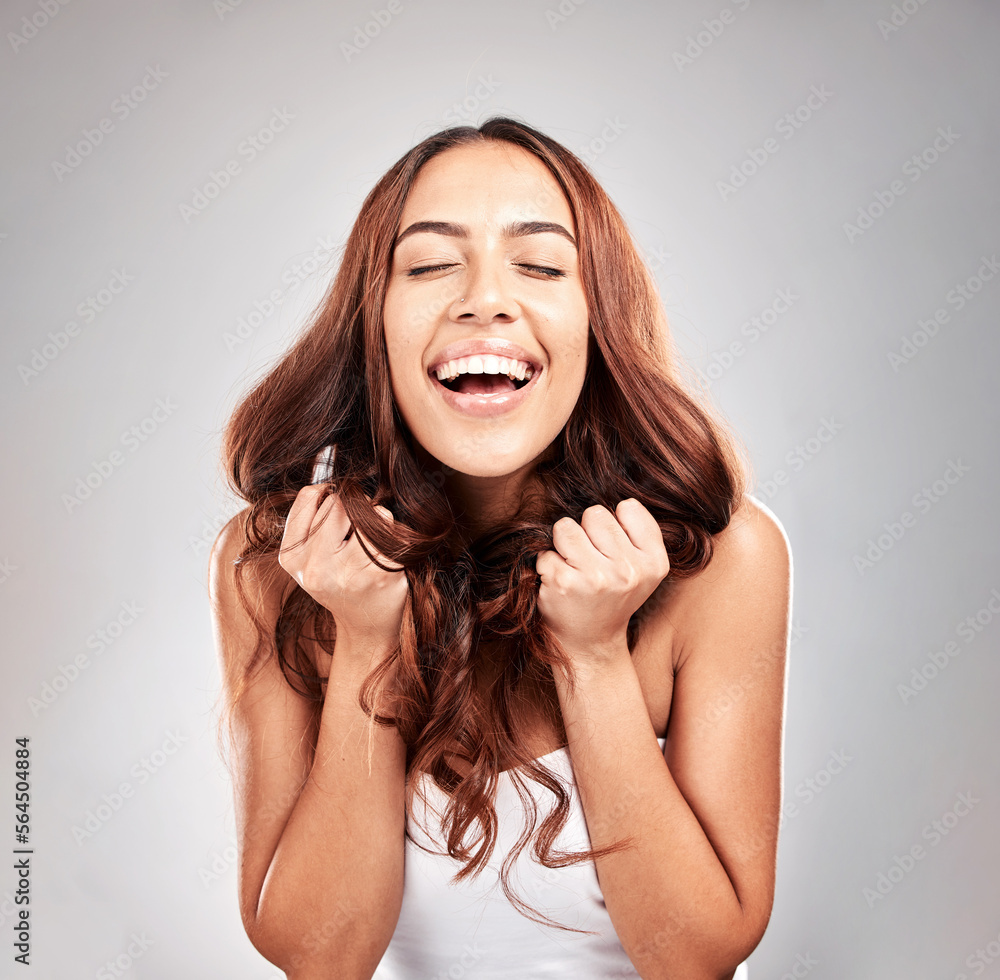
366, 601
602, 570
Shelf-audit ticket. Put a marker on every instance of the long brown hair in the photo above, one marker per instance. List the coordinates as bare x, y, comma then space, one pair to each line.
638, 430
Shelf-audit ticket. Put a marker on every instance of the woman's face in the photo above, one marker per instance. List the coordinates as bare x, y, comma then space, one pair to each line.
486, 320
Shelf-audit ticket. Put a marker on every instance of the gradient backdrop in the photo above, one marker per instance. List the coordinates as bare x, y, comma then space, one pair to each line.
815, 187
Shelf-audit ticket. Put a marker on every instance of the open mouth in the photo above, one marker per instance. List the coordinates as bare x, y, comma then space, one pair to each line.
484, 374
483, 384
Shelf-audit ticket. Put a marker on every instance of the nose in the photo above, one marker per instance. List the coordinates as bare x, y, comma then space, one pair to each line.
486, 296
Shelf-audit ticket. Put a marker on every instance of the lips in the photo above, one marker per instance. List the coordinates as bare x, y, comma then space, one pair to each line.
485, 406
490, 404
483, 345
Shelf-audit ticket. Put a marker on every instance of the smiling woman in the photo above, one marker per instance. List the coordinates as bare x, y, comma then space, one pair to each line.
527, 578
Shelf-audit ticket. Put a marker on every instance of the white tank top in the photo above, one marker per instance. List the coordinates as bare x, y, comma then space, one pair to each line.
470, 930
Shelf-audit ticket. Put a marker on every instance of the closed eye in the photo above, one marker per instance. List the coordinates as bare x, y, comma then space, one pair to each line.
542, 270
428, 268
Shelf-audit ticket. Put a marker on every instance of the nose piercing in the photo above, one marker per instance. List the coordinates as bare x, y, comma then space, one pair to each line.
462, 300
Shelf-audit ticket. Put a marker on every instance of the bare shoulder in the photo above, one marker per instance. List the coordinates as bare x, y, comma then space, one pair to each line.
227, 547
753, 547
750, 568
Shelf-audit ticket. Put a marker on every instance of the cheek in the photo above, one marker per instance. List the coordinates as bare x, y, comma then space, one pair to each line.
404, 348
572, 349
572, 384
401, 383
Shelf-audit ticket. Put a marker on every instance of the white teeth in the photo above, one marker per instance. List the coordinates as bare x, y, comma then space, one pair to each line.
483, 364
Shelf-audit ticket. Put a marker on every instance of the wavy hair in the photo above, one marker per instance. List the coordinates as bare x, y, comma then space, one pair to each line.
637, 430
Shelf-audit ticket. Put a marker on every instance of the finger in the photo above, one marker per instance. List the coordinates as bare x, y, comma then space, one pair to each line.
309, 511
604, 531
546, 563
573, 543
387, 515
300, 517
640, 526
332, 512
638, 523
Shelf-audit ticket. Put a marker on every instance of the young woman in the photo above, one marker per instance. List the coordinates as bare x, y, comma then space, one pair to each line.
505, 689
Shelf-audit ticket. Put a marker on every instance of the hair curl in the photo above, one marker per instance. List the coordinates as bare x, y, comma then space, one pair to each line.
637, 430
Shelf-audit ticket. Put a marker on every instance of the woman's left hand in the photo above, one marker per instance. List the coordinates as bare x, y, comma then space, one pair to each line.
602, 571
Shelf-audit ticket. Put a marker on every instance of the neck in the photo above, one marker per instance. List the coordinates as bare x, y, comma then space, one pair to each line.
482, 502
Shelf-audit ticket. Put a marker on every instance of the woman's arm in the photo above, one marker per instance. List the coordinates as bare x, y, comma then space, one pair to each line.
320, 838
693, 896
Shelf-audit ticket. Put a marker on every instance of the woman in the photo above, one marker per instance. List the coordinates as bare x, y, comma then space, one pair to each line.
532, 550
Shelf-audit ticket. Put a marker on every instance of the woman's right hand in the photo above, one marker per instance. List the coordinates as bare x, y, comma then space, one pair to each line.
366, 602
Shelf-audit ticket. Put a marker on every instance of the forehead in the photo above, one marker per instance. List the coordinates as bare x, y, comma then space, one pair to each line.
486, 183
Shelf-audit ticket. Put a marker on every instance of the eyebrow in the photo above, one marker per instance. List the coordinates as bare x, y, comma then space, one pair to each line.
517, 229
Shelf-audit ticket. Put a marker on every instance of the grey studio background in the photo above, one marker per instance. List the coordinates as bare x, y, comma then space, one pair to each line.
814, 186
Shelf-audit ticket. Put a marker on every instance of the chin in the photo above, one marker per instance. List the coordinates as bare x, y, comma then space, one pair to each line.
481, 454
484, 463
